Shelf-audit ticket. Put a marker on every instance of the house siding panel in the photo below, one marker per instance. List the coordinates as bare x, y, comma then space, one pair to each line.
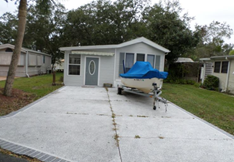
73, 80
105, 72
231, 77
20, 71
34, 62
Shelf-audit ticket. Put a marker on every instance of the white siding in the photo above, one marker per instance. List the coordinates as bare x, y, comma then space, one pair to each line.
106, 65
109, 65
32, 60
106, 70
5, 58
231, 77
73, 79
39, 60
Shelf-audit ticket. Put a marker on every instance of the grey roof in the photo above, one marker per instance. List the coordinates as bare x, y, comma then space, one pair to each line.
217, 58
183, 59
3, 46
223, 57
114, 46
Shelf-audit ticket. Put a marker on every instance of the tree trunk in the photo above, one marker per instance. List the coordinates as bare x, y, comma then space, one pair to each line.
18, 45
53, 83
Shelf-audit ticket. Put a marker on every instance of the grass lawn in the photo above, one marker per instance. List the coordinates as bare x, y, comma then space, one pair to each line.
27, 90
214, 107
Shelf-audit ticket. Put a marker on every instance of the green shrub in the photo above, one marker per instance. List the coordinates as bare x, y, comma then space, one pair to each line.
197, 84
211, 82
192, 82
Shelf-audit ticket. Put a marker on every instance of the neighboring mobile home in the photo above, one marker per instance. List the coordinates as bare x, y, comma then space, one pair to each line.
96, 65
221, 67
59, 65
30, 62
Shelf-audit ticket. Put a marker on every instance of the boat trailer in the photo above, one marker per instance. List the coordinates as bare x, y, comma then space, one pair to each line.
155, 93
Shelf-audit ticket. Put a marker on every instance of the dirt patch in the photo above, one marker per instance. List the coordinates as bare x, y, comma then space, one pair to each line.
18, 100
19, 156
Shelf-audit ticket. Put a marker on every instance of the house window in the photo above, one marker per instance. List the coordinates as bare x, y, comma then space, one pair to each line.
157, 65
150, 59
21, 60
74, 64
39, 60
121, 61
129, 61
43, 59
32, 60
224, 67
217, 67
140, 57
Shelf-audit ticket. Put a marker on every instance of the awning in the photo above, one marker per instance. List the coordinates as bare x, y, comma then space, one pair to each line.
92, 53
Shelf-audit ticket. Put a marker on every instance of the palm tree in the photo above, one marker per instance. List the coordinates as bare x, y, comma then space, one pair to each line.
18, 45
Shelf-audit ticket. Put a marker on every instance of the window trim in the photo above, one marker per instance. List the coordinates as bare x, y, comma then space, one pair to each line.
125, 58
140, 54
73, 64
222, 67
215, 66
154, 59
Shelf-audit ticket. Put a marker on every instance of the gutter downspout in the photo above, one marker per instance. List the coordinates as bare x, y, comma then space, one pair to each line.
203, 69
115, 68
227, 78
26, 65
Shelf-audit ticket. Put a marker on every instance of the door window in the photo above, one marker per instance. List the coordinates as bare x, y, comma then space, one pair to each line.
92, 67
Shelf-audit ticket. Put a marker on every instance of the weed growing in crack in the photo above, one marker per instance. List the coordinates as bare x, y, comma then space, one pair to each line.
137, 136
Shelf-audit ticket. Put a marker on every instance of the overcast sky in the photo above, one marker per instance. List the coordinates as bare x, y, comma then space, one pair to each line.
204, 11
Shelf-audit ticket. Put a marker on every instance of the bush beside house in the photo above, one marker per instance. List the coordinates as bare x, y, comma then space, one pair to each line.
211, 82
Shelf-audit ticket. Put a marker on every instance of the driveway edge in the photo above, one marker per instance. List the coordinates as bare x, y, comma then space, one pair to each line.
215, 127
31, 104
23, 150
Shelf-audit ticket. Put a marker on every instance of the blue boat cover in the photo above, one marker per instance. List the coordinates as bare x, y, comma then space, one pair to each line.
144, 70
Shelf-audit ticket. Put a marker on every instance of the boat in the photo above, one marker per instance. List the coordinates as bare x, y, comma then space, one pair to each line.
144, 85
141, 76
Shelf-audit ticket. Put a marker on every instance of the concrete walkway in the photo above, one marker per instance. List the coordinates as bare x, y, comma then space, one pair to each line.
91, 124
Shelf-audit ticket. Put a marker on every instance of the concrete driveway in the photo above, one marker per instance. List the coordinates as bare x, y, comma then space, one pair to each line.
2, 78
92, 124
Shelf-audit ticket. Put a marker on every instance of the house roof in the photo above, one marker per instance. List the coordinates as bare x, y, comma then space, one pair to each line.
128, 43
3, 46
222, 57
217, 58
183, 59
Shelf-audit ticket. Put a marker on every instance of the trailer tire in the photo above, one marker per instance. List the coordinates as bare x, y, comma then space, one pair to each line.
120, 91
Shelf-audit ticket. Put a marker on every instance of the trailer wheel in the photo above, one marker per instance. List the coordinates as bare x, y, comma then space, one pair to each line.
155, 108
120, 91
